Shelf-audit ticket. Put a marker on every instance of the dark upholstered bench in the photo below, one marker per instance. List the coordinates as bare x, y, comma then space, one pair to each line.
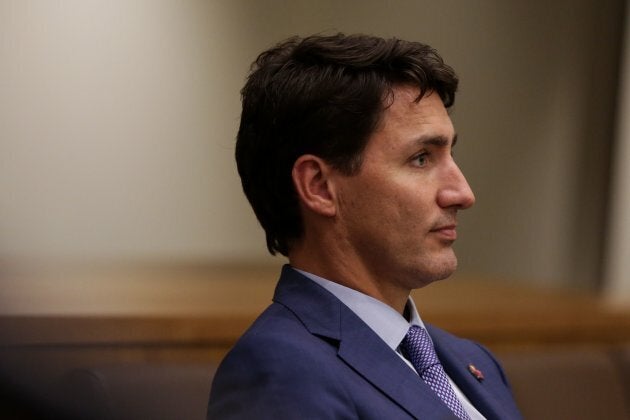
570, 384
139, 391
554, 384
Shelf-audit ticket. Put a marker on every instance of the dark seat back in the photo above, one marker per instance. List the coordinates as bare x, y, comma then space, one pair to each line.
140, 391
571, 384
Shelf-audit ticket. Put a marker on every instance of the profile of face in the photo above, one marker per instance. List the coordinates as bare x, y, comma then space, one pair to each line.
398, 214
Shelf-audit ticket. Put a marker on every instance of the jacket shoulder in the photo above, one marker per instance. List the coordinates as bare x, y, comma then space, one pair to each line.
263, 374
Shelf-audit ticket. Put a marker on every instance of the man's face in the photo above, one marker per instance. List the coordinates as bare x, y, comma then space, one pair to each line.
398, 213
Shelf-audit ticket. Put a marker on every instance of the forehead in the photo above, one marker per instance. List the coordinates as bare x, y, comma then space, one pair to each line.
405, 112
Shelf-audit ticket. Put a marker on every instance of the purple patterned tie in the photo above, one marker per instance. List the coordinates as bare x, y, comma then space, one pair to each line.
418, 348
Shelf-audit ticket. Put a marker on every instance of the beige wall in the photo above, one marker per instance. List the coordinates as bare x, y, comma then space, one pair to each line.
117, 122
617, 263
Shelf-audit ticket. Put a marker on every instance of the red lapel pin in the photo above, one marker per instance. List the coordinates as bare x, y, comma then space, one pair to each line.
475, 372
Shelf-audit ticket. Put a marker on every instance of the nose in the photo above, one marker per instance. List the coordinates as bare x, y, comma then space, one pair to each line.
455, 191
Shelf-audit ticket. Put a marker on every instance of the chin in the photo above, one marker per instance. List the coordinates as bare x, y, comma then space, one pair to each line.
422, 278
439, 268
442, 274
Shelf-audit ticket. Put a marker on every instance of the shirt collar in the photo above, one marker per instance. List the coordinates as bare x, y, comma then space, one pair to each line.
384, 320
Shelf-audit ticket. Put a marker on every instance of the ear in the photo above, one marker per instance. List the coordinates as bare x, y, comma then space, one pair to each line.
311, 178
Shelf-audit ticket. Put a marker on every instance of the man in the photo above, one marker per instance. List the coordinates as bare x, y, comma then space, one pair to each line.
345, 152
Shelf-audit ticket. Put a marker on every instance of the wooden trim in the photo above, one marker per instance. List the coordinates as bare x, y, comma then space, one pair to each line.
210, 305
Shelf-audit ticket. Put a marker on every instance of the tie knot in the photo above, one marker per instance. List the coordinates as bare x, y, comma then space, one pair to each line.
418, 348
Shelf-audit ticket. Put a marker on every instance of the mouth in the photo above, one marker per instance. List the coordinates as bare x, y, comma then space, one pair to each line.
446, 232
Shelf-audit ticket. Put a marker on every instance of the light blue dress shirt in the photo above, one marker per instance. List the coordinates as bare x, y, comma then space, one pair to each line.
387, 323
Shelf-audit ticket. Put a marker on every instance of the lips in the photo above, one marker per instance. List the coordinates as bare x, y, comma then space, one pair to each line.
447, 232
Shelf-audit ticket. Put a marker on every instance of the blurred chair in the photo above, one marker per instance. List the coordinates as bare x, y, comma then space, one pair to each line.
568, 384
623, 358
140, 391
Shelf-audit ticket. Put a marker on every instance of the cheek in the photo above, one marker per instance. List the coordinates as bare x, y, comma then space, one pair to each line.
366, 208
413, 204
385, 202
393, 216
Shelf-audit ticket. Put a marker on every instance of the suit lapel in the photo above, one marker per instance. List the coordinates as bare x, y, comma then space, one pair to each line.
455, 363
367, 354
359, 347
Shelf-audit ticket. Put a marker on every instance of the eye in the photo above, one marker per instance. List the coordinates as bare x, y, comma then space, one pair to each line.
422, 159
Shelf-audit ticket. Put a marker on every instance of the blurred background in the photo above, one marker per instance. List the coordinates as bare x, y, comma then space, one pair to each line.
125, 236
118, 119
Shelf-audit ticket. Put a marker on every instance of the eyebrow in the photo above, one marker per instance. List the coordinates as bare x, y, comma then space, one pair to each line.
439, 141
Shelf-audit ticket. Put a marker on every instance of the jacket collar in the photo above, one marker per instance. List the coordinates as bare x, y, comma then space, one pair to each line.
324, 315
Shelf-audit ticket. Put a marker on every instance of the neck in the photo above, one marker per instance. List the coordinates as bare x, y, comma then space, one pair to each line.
342, 266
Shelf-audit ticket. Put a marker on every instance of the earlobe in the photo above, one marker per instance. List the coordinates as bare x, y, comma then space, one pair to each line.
311, 178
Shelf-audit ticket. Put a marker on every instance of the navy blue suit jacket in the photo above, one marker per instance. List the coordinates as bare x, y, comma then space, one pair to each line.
308, 356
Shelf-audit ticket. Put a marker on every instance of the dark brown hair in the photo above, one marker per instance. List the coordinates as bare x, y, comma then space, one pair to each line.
321, 95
